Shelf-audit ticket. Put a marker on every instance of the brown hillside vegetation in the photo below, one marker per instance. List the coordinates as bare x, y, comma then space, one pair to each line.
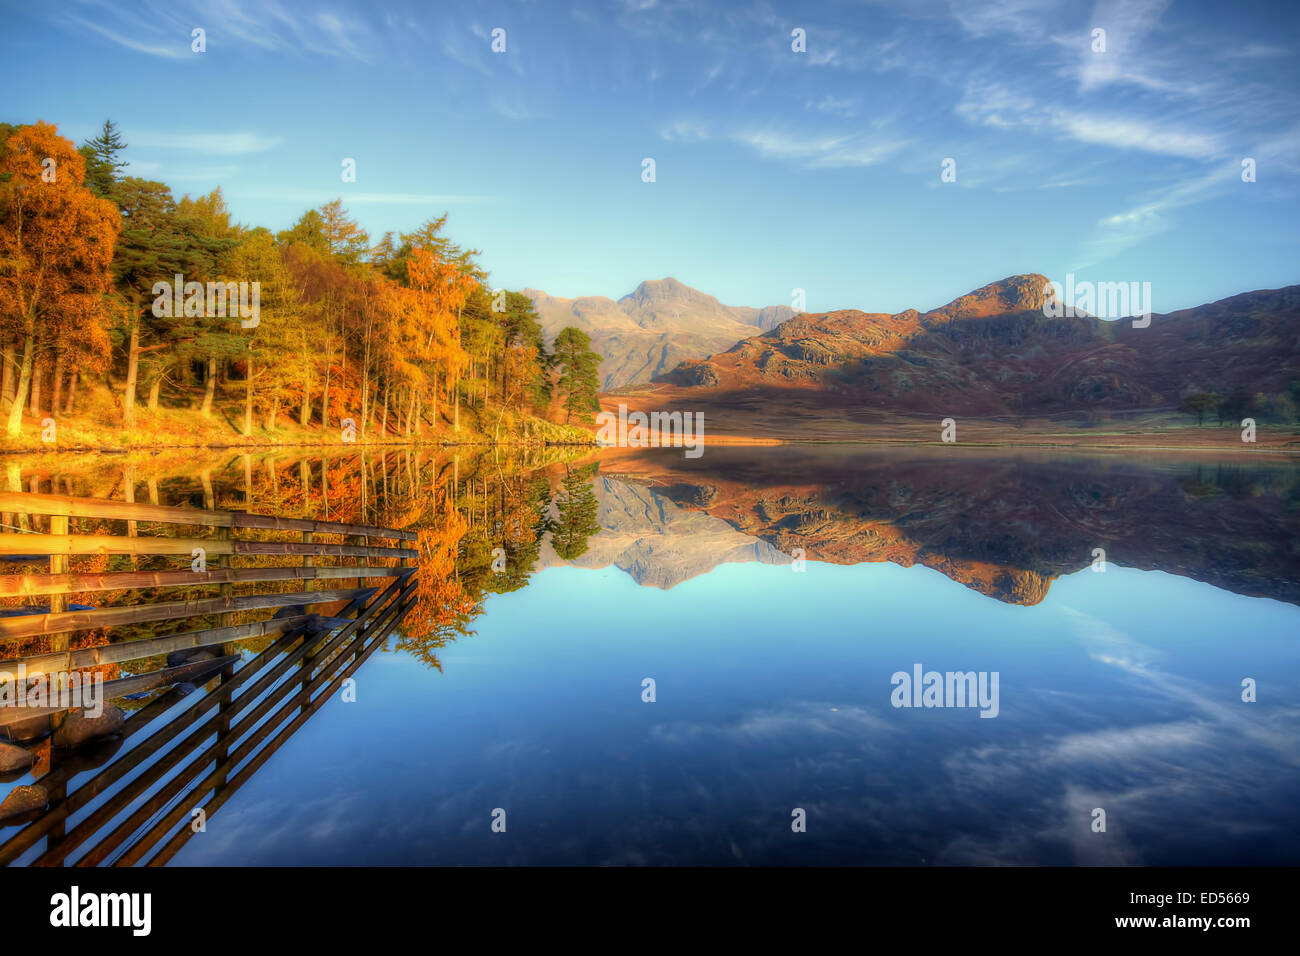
994, 353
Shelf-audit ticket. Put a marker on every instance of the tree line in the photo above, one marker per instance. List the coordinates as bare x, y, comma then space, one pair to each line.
402, 336
1240, 403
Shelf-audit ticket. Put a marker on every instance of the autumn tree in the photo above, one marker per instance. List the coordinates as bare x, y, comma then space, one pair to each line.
56, 246
264, 343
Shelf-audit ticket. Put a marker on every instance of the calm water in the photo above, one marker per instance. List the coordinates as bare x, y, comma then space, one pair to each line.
521, 688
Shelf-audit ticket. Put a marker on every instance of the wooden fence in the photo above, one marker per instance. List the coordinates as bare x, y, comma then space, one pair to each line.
318, 652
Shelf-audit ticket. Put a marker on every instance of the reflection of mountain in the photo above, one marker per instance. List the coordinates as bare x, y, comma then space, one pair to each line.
1005, 527
657, 542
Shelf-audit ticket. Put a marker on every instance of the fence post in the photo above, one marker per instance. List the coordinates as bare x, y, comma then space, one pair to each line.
59, 602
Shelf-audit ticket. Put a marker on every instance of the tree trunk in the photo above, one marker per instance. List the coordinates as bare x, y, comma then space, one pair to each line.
210, 388
248, 398
132, 373
37, 369
365, 384
10, 363
56, 395
325, 401
72, 392
15, 424
155, 389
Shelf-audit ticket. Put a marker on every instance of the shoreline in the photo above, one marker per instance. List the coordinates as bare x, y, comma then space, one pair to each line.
1142, 443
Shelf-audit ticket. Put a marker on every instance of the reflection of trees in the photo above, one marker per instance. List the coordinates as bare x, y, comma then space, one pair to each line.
456, 555
443, 607
462, 505
576, 508
515, 521
1239, 482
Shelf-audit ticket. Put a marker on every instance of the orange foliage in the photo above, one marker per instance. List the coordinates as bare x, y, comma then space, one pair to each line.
56, 246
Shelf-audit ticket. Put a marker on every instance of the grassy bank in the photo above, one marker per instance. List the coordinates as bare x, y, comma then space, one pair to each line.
96, 427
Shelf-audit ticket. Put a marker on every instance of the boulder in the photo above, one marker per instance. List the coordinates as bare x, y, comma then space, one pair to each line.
80, 728
26, 731
13, 758
92, 756
23, 800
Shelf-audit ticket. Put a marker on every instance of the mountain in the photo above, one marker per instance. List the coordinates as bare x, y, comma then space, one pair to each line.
652, 329
993, 352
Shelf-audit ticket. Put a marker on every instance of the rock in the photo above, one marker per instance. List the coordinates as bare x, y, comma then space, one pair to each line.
23, 800
79, 728
13, 758
26, 731
704, 375
90, 757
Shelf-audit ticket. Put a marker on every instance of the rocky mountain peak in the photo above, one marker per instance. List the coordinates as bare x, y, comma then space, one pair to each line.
1020, 293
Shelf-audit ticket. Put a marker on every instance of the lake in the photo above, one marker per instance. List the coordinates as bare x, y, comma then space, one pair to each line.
639, 658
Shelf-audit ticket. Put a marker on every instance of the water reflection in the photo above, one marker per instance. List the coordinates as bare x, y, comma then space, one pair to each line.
551, 586
1004, 526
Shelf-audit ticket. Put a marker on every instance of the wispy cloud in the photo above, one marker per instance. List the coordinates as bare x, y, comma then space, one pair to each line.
826, 152
1136, 133
1002, 107
164, 29
174, 50
845, 106
511, 107
362, 198
1151, 215
684, 131
218, 144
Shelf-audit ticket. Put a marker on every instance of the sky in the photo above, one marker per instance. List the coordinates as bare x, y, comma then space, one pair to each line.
820, 170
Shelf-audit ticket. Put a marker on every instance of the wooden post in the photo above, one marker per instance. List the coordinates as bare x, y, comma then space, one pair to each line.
227, 589
59, 602
307, 664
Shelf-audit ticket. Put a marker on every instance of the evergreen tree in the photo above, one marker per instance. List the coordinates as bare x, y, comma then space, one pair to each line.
579, 380
102, 164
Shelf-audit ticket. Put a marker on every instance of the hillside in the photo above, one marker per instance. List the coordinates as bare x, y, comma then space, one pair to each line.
994, 352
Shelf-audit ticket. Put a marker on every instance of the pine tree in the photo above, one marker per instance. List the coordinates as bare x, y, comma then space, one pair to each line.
579, 380
102, 164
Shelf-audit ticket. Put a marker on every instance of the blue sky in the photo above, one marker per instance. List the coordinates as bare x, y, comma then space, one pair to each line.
775, 170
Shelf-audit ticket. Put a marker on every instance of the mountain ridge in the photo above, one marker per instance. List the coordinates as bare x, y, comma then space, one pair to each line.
994, 351
654, 327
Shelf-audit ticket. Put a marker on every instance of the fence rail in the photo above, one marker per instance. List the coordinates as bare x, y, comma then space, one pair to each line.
326, 633
21, 502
